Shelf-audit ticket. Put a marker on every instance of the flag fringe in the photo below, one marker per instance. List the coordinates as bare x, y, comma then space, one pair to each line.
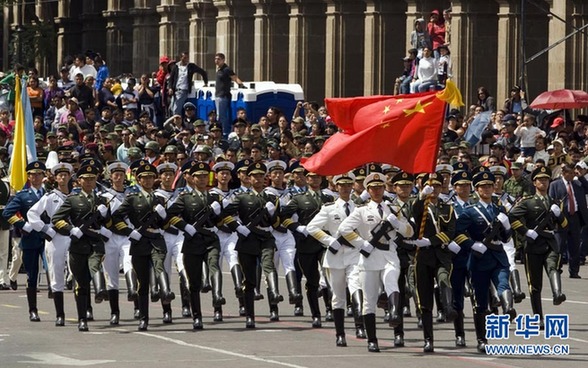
451, 94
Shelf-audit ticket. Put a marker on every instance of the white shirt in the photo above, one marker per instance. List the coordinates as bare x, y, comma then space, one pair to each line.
528, 135
182, 83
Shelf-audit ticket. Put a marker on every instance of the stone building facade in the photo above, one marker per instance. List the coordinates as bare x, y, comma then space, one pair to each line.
331, 47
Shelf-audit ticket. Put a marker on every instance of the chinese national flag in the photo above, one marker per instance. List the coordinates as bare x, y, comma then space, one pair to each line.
403, 130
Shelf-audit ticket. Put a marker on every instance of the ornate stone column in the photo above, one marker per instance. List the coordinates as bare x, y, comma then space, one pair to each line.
307, 38
579, 72
261, 41
69, 37
202, 33
145, 31
384, 32
508, 72
93, 26
119, 37
173, 27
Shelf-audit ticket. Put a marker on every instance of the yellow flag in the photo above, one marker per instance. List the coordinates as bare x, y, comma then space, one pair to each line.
18, 161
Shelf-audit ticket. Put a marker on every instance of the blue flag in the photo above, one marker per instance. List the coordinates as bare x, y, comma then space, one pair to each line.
474, 132
28, 124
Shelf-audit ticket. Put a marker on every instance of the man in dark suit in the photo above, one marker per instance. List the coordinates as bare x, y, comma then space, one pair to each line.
572, 194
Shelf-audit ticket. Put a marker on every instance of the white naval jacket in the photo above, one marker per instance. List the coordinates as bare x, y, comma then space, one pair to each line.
357, 228
49, 203
329, 219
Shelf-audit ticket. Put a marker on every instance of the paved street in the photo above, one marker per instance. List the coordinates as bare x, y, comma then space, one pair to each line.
288, 343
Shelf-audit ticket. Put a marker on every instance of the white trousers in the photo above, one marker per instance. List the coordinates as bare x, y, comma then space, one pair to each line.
340, 279
371, 282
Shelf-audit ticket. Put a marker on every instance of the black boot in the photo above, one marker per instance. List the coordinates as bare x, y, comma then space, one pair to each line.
327, 299
273, 292
395, 309
154, 286
494, 299
100, 292
369, 321
32, 300
242, 306
447, 297
349, 303
536, 304
427, 317
237, 274
185, 294
206, 287
555, 281
339, 318
357, 302
136, 311
89, 309
458, 325
441, 318
196, 310
468, 291
293, 291
257, 290
131, 279
114, 307
59, 311
480, 325
218, 314
249, 299
217, 289
49, 290
506, 299
82, 308
274, 311
143, 311
515, 282
313, 303
167, 313
165, 291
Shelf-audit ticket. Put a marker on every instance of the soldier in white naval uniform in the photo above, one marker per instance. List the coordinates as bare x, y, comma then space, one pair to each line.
341, 261
376, 224
55, 249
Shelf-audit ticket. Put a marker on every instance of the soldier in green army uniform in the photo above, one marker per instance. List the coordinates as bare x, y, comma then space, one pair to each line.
433, 257
403, 183
518, 185
257, 210
535, 217
195, 212
309, 251
146, 212
83, 217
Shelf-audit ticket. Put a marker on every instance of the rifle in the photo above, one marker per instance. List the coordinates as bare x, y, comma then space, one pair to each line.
381, 231
201, 218
545, 218
91, 218
491, 232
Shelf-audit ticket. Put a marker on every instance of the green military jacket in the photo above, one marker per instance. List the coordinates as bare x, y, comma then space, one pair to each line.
439, 229
190, 208
79, 210
533, 212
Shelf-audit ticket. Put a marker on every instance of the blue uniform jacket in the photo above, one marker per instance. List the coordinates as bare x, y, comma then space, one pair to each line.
471, 227
15, 213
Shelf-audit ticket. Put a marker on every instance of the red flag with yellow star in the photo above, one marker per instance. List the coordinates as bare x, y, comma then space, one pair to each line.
403, 130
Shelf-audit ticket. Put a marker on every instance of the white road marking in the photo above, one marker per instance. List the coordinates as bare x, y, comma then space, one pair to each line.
60, 360
221, 351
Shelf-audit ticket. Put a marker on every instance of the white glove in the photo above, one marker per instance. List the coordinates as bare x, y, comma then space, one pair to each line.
135, 235
302, 230
50, 232
503, 220
427, 190
334, 246
532, 234
103, 210
191, 230
27, 227
393, 220
271, 208
555, 210
243, 230
216, 208
160, 211
76, 232
366, 249
364, 195
423, 242
214, 229
479, 247
454, 247
105, 232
